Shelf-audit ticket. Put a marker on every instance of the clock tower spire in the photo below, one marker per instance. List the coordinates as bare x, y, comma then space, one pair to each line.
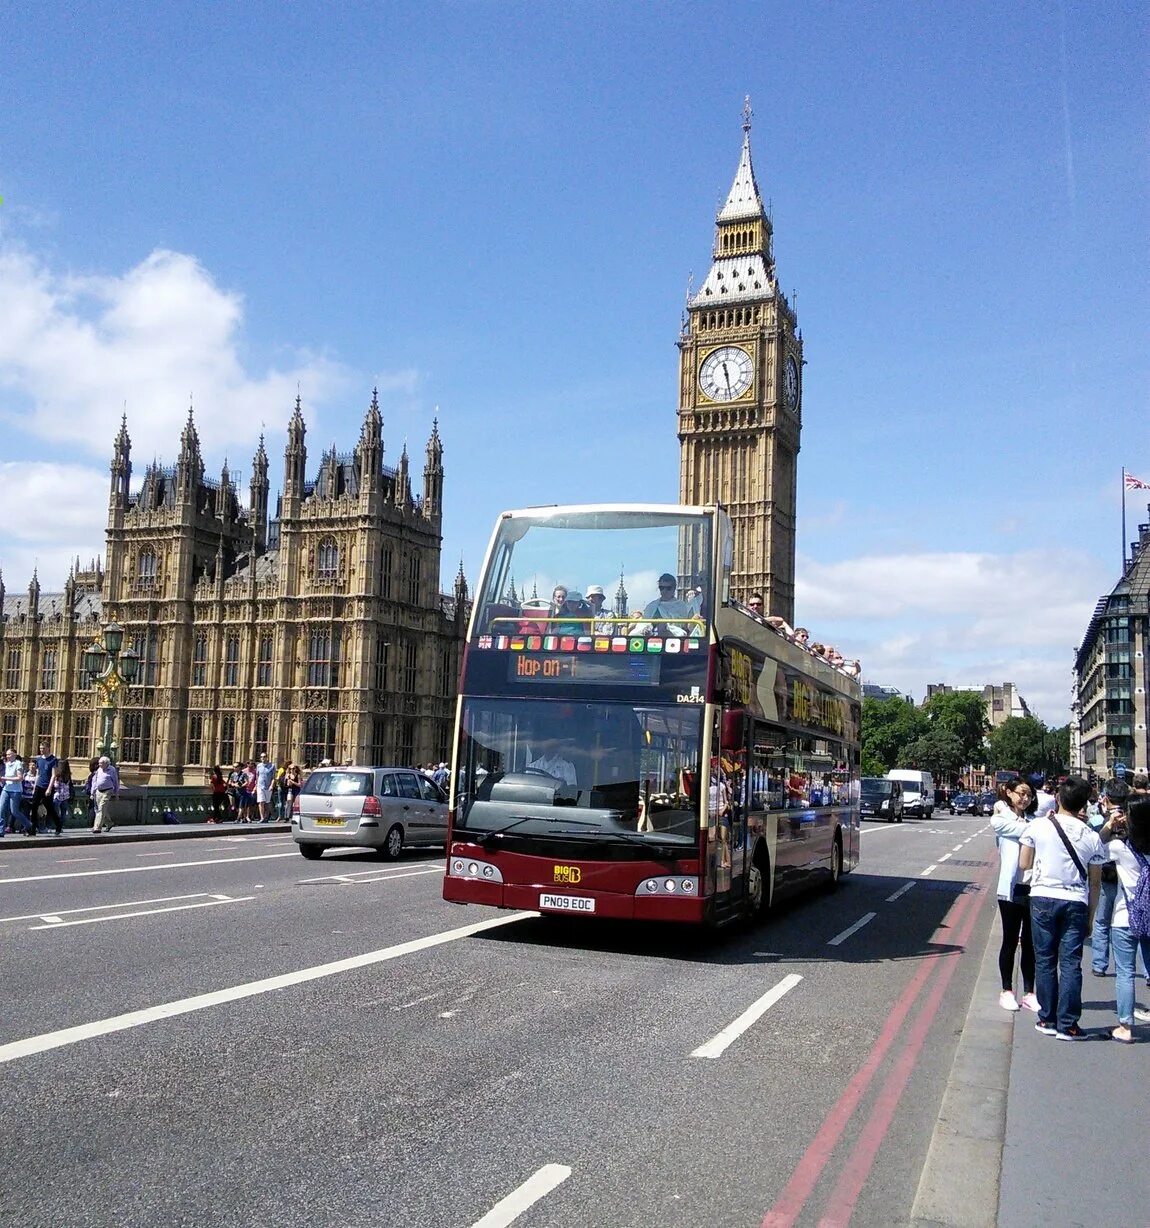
740, 367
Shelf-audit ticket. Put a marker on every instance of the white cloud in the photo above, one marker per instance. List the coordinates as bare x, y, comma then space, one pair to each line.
76, 347
962, 618
64, 510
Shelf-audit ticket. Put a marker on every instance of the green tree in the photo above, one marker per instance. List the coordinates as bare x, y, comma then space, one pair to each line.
1058, 749
888, 727
1017, 745
938, 751
963, 714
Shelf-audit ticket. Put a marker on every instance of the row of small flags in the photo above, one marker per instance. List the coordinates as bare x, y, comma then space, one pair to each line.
588, 643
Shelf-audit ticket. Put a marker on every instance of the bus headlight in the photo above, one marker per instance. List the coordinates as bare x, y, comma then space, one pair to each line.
668, 885
467, 867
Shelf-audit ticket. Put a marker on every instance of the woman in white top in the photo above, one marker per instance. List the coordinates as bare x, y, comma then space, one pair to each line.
1016, 803
1124, 849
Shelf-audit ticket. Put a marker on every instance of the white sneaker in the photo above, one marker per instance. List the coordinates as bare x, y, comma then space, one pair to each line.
1141, 1014
1007, 1000
1030, 1002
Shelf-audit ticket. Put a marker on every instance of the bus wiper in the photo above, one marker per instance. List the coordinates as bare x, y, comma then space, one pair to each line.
489, 836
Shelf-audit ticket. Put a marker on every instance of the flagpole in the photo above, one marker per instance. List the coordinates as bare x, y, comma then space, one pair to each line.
1123, 519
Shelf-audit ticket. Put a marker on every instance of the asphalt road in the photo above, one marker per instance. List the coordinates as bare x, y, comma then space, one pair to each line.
219, 1033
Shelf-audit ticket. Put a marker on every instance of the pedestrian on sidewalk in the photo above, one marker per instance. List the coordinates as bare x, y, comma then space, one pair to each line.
218, 787
105, 787
1129, 851
265, 778
1010, 819
45, 765
1059, 847
63, 791
12, 794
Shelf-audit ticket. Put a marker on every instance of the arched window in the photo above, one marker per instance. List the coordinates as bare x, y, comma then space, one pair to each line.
327, 559
200, 659
146, 569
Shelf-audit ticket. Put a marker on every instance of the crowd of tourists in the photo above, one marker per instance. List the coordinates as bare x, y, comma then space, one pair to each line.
802, 637
1074, 863
43, 785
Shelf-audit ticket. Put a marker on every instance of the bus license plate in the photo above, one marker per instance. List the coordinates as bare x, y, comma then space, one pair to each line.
567, 903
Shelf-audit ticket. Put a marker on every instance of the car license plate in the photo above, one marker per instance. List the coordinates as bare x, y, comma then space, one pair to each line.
329, 822
567, 903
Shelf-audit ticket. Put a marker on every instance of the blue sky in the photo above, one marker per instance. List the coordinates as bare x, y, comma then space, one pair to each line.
494, 209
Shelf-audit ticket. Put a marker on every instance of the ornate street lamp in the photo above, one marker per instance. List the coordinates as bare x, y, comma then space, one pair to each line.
110, 671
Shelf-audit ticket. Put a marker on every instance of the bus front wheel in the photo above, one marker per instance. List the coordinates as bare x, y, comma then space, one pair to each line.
836, 863
758, 893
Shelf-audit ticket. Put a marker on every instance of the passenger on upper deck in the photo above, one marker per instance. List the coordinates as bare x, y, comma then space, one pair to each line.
572, 615
667, 605
596, 599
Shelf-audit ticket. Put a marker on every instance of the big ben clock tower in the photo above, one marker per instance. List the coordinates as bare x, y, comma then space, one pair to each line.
740, 395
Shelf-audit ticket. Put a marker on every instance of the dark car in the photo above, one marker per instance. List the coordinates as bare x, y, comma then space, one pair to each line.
963, 803
986, 803
880, 798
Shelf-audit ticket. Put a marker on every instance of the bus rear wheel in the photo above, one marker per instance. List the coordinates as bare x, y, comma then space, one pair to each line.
758, 900
836, 863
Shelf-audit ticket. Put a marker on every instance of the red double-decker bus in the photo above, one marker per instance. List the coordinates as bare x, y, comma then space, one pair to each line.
650, 751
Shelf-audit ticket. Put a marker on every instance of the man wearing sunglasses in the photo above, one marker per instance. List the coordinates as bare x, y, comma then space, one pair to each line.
667, 605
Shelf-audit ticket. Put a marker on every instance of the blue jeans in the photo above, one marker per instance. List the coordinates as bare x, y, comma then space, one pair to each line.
12, 811
1125, 954
1100, 937
1058, 929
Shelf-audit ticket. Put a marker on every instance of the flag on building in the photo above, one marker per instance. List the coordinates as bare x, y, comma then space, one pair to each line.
1133, 483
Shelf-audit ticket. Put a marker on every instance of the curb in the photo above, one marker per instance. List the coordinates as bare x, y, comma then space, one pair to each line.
960, 1179
131, 835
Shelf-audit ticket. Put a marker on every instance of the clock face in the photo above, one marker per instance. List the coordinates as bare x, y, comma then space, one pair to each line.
791, 383
725, 373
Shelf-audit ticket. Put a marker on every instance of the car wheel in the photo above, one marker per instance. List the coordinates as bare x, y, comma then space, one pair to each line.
393, 845
313, 852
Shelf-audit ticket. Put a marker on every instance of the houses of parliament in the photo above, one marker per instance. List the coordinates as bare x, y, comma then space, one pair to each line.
320, 631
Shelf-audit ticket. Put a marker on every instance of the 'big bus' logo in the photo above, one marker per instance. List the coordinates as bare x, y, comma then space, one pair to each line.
568, 874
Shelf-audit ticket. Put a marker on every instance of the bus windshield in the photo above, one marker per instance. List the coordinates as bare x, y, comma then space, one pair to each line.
591, 571
602, 771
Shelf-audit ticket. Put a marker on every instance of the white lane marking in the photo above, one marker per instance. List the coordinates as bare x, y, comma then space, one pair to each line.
143, 912
957, 847
945, 857
169, 1010
175, 865
163, 899
928, 870
890, 899
161, 853
867, 830
509, 1209
68, 861
717, 1044
839, 939
373, 876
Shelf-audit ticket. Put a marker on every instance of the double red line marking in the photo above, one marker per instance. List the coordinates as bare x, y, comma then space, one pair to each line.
955, 928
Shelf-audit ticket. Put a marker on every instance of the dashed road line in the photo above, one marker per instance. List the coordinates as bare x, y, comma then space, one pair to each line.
508, 1210
168, 1010
839, 939
890, 899
174, 865
57, 923
928, 870
717, 1045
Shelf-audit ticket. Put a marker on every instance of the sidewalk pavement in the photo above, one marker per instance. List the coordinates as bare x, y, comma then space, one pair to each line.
129, 832
1033, 1131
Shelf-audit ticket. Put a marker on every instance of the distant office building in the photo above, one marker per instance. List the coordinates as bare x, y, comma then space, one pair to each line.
1001, 702
1111, 676
317, 631
872, 690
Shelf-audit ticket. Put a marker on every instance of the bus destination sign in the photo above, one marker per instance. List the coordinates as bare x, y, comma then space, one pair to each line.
545, 668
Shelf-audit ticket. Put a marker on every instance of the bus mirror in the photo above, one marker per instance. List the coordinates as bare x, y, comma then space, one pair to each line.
733, 733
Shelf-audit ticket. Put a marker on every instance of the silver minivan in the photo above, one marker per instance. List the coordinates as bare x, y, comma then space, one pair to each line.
379, 808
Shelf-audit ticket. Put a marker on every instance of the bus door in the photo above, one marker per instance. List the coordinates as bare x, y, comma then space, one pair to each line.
730, 808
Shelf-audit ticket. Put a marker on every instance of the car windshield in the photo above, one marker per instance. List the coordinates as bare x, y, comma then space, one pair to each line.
572, 571
579, 770
877, 788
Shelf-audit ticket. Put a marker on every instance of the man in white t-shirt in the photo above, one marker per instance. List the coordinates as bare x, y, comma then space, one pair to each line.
1060, 890
1047, 802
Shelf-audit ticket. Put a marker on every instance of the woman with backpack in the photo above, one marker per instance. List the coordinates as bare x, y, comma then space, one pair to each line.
1130, 925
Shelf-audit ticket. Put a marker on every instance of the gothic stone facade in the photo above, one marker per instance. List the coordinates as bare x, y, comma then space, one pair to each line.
740, 395
317, 633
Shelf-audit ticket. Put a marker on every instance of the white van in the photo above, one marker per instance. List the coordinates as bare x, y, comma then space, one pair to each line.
917, 791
